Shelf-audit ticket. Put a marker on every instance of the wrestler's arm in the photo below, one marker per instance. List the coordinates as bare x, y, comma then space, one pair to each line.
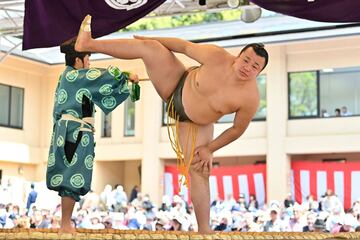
201, 53
203, 154
241, 122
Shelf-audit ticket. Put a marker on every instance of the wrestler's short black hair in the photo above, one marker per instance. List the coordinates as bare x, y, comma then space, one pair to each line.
259, 49
71, 54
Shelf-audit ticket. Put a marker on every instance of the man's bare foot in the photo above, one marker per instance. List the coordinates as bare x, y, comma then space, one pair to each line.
206, 231
67, 230
84, 36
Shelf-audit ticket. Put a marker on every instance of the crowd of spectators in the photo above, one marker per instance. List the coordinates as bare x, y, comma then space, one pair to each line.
338, 112
113, 208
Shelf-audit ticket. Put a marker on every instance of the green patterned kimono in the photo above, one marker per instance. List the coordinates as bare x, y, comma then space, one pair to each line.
106, 88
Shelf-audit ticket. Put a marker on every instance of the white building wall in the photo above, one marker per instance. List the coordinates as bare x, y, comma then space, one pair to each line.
275, 139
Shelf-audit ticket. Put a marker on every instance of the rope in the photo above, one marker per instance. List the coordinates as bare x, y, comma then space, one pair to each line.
173, 132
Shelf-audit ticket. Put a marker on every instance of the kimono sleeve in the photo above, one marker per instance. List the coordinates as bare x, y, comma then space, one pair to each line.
107, 88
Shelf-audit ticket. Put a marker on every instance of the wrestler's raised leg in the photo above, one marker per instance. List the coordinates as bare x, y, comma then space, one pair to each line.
163, 68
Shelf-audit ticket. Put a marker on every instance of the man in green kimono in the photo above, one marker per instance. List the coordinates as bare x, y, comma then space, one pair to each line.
71, 155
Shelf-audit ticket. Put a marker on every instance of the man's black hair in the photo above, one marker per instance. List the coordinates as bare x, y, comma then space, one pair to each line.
259, 49
71, 54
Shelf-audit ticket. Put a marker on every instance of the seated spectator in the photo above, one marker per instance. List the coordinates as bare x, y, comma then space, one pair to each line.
324, 113
134, 193
275, 223
331, 202
96, 223
118, 219
349, 224
310, 204
253, 203
345, 112
337, 112
39, 221
288, 202
319, 225
223, 226
310, 220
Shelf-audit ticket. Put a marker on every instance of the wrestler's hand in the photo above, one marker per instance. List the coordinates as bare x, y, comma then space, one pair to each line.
202, 161
134, 78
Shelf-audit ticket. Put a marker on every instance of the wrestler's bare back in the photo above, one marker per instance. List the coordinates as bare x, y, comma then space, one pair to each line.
211, 92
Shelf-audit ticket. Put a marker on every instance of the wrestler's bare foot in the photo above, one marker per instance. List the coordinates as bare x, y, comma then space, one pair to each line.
84, 37
67, 230
206, 231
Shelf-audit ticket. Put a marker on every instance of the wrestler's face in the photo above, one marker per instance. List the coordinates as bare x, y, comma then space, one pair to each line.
248, 65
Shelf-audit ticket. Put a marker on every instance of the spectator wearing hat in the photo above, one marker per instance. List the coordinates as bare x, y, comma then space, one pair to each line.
319, 225
274, 224
242, 202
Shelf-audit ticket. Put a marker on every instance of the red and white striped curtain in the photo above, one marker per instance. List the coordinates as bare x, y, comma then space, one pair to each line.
250, 179
306, 178
316, 177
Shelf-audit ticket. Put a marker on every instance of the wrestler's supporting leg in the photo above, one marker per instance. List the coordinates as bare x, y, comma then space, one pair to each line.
67, 207
199, 183
163, 68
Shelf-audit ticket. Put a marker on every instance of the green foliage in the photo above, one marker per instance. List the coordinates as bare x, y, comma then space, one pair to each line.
303, 94
182, 20
261, 83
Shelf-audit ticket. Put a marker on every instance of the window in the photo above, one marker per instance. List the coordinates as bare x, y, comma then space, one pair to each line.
323, 92
105, 125
11, 106
129, 118
340, 89
261, 113
303, 97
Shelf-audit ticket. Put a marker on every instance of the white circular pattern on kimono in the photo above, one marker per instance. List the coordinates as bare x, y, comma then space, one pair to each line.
62, 96
85, 140
51, 160
108, 102
56, 180
89, 162
124, 89
73, 160
93, 74
72, 112
125, 4
77, 180
60, 141
114, 71
81, 92
106, 89
75, 134
72, 75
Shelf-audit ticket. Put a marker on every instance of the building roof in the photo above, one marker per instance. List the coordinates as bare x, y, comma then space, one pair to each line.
273, 28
